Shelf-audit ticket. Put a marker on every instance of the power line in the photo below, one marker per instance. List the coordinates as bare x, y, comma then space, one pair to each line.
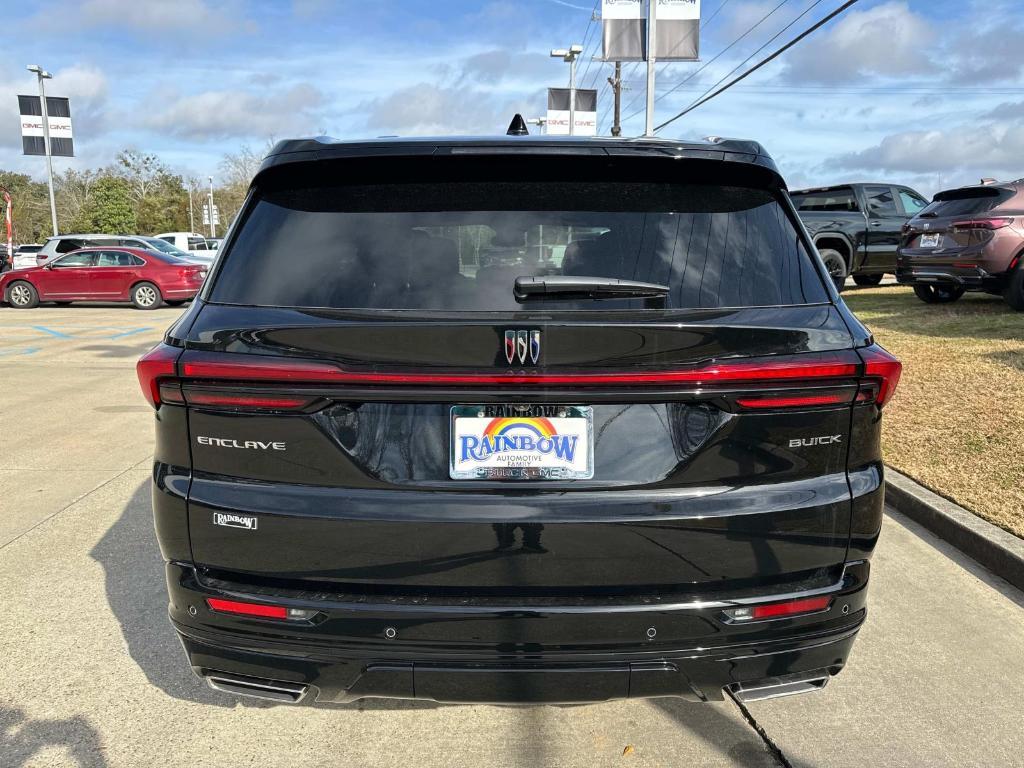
704, 100
767, 42
715, 58
586, 37
665, 66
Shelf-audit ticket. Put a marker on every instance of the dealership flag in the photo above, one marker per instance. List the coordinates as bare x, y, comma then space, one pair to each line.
558, 112
32, 138
624, 24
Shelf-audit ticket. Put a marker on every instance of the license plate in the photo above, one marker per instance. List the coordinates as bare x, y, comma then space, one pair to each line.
521, 442
930, 241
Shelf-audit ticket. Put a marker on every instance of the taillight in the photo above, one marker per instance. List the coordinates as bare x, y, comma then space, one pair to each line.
782, 610
255, 368
995, 222
881, 372
155, 365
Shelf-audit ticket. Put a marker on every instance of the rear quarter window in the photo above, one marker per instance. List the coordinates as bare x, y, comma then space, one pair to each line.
459, 246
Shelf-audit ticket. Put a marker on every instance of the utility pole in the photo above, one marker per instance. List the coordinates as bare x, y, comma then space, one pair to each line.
616, 84
42, 74
213, 228
191, 218
652, 40
569, 57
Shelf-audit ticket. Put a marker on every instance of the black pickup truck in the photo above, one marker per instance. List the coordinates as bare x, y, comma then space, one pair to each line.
857, 227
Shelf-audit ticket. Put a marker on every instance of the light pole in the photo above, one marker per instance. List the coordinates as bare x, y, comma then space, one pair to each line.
213, 228
42, 74
191, 217
540, 122
569, 56
652, 41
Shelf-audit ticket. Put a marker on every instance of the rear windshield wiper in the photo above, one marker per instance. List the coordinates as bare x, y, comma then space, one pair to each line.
565, 287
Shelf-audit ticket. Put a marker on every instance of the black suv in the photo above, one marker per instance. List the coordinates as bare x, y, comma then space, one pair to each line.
517, 420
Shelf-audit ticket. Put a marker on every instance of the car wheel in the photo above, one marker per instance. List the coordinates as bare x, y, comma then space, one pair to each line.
22, 295
938, 293
867, 280
146, 296
1013, 294
175, 303
836, 266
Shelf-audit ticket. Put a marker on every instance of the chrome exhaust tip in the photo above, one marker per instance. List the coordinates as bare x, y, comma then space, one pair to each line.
256, 687
777, 687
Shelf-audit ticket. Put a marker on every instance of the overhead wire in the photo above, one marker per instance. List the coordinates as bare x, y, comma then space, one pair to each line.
767, 60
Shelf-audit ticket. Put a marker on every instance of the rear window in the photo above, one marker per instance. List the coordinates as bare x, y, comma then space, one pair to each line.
966, 202
460, 245
830, 200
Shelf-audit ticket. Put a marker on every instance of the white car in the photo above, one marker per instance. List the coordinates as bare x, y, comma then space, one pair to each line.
25, 255
193, 242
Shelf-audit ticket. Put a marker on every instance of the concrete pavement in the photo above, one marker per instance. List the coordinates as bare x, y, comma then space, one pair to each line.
91, 675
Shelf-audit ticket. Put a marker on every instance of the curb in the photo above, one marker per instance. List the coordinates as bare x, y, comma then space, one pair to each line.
998, 550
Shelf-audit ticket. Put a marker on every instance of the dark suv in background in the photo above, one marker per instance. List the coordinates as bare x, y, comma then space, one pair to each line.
857, 227
517, 419
968, 239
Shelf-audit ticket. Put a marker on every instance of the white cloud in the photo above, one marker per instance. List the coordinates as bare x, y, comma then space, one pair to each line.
994, 149
238, 114
198, 18
888, 40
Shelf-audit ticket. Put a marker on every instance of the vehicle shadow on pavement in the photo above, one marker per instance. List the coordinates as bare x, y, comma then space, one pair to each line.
137, 594
120, 351
21, 739
730, 736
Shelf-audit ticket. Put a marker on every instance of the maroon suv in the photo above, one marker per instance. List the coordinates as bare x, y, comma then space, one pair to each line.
968, 239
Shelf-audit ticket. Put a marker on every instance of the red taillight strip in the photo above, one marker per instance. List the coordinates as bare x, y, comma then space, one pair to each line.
795, 401
215, 367
247, 609
993, 223
228, 400
791, 608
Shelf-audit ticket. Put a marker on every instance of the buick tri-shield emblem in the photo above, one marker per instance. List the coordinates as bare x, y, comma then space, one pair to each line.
522, 346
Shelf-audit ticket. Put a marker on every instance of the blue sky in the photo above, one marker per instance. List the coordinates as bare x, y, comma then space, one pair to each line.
925, 93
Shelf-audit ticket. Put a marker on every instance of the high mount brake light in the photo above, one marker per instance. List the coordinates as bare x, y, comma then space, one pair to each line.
882, 369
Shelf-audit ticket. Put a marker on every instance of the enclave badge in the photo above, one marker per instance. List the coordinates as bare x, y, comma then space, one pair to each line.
522, 346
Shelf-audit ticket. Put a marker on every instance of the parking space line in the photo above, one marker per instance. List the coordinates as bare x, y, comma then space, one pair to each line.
55, 334
131, 332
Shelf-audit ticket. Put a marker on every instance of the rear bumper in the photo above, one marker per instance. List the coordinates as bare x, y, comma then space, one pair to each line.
966, 269
467, 652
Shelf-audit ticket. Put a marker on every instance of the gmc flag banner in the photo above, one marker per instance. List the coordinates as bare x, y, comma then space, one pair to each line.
624, 25
558, 112
32, 137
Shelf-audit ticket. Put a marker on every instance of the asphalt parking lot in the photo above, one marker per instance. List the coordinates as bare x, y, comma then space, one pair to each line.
91, 674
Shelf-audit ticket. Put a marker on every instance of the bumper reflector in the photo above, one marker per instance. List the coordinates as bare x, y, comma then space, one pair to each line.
779, 610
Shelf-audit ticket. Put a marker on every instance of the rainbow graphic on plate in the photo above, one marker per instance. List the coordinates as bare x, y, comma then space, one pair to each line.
528, 435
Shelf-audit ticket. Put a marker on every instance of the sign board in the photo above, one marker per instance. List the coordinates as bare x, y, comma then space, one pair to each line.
558, 112
206, 214
624, 24
32, 136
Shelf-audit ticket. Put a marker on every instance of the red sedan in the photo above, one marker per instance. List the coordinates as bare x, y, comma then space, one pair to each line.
145, 278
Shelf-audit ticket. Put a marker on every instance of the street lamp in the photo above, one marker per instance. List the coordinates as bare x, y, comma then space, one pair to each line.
213, 227
42, 74
569, 56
